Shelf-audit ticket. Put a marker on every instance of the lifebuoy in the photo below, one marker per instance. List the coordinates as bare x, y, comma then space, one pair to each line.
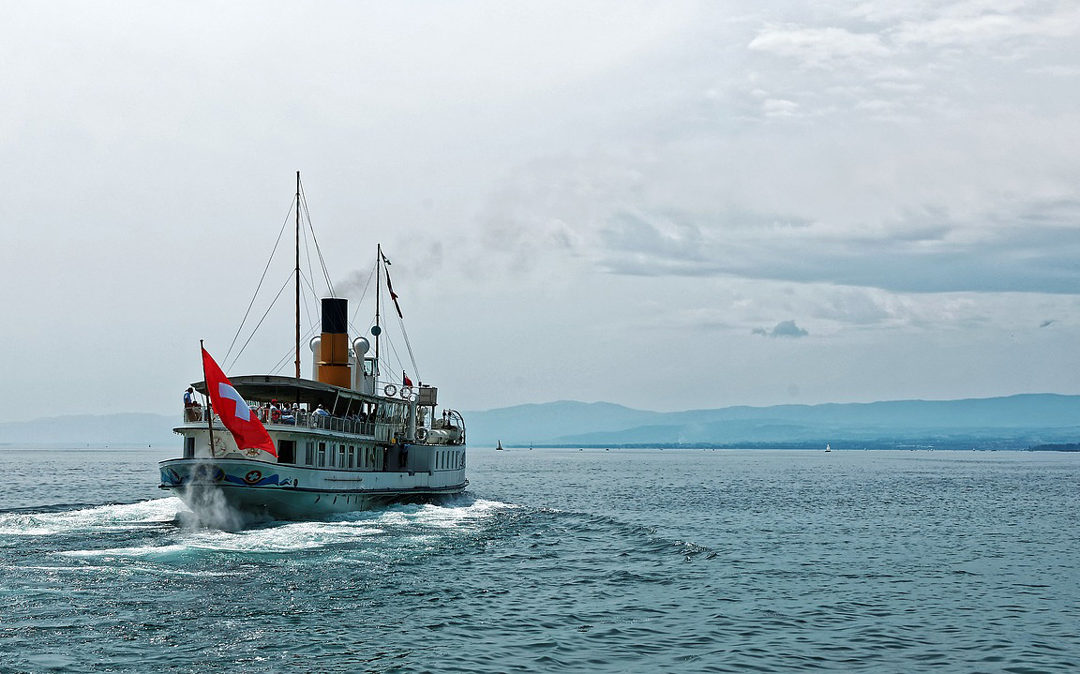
390, 390
421, 434
406, 392
218, 448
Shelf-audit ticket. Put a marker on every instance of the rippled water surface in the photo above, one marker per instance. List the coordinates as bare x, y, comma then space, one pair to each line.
560, 560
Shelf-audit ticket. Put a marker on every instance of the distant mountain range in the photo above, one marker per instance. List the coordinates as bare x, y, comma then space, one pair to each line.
1012, 422
1008, 422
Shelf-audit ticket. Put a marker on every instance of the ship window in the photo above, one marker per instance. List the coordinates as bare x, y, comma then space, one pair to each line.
286, 451
309, 453
352, 456
341, 455
322, 454
333, 455
189, 447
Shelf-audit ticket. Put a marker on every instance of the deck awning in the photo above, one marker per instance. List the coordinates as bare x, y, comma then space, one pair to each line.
262, 388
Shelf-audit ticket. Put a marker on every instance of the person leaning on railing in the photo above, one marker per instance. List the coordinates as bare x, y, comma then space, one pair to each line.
192, 409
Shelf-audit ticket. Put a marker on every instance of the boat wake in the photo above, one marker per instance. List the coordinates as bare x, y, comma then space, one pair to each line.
50, 521
164, 531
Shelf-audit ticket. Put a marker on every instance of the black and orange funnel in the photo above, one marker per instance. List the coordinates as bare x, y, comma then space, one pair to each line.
334, 344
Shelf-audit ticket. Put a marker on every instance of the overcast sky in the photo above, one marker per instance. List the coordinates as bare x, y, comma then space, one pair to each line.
664, 205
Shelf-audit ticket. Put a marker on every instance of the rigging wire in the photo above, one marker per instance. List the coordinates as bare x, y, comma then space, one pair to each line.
306, 279
259, 324
313, 315
404, 333
287, 358
259, 286
363, 294
408, 346
315, 240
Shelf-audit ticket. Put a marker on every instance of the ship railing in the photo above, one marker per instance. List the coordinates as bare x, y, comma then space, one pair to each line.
354, 425
302, 418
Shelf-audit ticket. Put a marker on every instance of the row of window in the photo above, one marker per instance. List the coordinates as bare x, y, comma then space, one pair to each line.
341, 455
449, 459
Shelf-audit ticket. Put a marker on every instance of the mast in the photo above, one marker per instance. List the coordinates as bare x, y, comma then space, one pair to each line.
297, 273
378, 295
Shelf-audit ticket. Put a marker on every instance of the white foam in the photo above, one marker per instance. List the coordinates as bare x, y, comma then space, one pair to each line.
142, 551
410, 525
100, 517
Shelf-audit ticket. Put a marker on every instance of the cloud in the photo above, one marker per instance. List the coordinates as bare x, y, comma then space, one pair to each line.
782, 329
779, 107
974, 25
617, 221
817, 47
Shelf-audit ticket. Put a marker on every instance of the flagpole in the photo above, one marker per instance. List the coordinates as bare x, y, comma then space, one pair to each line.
209, 404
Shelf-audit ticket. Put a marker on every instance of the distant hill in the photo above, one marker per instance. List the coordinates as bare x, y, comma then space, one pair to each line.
1014, 422
1019, 421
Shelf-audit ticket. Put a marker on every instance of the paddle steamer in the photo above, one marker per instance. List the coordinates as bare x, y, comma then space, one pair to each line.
345, 439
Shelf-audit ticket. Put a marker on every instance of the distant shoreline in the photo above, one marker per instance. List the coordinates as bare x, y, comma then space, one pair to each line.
807, 446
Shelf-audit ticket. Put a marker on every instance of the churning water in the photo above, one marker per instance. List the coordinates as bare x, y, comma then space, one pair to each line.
560, 560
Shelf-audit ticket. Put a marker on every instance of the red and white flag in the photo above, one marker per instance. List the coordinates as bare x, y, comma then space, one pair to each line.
245, 427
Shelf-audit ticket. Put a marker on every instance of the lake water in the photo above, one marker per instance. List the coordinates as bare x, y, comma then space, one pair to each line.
560, 560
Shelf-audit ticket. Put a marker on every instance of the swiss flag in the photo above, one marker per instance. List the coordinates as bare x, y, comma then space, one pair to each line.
245, 427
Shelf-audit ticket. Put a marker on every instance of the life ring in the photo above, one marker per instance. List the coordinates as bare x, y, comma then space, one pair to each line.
421, 434
390, 390
218, 448
406, 392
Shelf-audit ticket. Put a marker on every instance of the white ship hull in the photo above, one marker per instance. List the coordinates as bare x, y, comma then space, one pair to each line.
266, 489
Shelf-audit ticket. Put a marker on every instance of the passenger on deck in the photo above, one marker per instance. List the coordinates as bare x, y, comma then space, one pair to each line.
321, 417
192, 408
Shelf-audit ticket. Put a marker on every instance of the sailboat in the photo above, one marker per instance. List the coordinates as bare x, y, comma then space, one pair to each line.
828, 448
498, 446
343, 439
